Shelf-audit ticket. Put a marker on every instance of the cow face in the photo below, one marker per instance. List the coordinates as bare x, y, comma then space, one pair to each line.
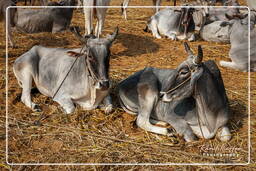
183, 81
97, 52
186, 18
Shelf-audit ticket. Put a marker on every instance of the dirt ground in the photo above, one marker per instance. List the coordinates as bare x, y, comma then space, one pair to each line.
94, 137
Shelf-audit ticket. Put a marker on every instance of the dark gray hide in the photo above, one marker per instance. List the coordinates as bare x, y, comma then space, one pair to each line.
239, 44
46, 19
12, 16
180, 97
87, 84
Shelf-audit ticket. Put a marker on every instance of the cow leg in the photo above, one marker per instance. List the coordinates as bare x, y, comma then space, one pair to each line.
181, 127
154, 29
107, 102
124, 6
25, 80
233, 65
192, 38
148, 97
157, 3
172, 36
88, 15
10, 16
101, 14
156, 122
66, 104
224, 134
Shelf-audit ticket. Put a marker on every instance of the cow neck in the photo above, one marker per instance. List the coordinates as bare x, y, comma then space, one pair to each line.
90, 72
202, 108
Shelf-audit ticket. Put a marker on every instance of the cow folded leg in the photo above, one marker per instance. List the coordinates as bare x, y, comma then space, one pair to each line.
181, 127
148, 96
25, 80
156, 122
233, 65
107, 104
66, 104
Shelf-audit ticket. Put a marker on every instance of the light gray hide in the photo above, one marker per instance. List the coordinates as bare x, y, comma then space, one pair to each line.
166, 23
219, 14
199, 103
239, 45
125, 4
251, 4
45, 20
48, 67
213, 32
99, 13
12, 16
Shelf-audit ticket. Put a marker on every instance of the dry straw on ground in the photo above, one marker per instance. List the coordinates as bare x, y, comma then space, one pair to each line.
94, 137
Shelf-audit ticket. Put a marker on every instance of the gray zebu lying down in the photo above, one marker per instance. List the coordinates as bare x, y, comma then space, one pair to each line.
191, 98
87, 84
174, 24
214, 32
45, 20
239, 44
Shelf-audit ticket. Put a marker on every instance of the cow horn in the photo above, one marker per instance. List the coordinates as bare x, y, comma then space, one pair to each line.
76, 32
112, 37
199, 57
187, 48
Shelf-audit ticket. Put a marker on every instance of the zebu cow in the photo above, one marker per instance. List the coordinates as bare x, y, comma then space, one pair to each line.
191, 98
86, 84
46, 19
214, 32
12, 16
239, 44
100, 13
174, 24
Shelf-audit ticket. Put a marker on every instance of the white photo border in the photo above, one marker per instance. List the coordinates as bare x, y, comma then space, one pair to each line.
130, 164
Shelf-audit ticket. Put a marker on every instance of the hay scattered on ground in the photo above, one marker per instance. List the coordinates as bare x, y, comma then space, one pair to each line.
94, 137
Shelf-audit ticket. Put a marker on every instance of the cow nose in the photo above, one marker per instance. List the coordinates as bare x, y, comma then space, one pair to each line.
104, 84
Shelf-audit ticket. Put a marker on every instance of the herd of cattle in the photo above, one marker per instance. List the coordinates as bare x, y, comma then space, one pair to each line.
177, 96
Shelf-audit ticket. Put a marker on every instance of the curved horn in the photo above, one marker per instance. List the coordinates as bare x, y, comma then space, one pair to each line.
199, 58
76, 32
112, 37
187, 48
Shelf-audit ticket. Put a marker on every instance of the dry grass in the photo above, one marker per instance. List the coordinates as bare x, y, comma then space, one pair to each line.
93, 137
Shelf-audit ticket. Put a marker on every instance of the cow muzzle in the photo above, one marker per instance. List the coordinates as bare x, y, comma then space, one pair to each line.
102, 85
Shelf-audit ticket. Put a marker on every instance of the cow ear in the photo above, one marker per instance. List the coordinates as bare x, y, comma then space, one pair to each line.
187, 48
74, 54
113, 36
224, 24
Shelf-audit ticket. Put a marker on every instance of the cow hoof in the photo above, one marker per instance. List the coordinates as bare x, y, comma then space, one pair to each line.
190, 138
158, 37
108, 109
36, 108
66, 111
224, 135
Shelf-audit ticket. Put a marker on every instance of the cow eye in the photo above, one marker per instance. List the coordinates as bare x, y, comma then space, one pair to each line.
183, 72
